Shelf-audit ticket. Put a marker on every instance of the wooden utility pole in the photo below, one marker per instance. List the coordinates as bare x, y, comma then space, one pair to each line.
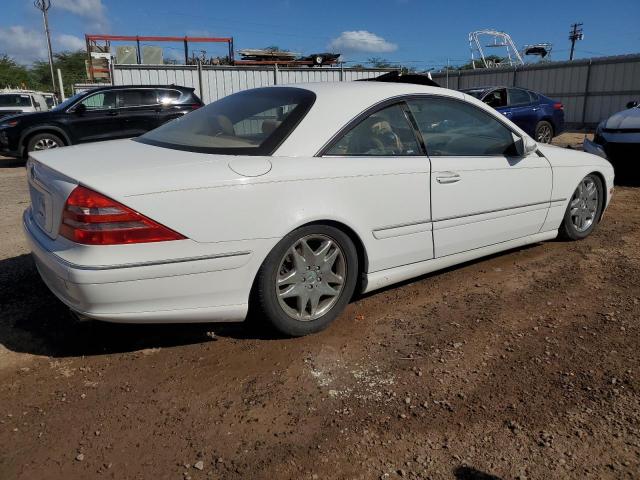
574, 35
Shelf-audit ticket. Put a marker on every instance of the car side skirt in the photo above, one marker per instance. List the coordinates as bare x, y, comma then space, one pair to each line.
383, 278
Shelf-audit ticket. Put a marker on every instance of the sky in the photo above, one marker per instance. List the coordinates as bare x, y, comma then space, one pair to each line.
421, 34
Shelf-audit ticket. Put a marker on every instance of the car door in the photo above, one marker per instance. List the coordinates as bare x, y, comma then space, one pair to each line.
95, 118
389, 172
139, 109
522, 111
482, 192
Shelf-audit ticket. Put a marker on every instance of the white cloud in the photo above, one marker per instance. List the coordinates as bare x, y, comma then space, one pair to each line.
361, 41
23, 45
91, 9
27, 46
68, 42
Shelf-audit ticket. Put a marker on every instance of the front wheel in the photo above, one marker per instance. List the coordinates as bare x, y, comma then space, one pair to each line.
584, 209
307, 279
44, 141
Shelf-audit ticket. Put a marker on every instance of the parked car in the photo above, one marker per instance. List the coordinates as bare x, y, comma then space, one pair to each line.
51, 100
618, 139
103, 113
289, 198
14, 102
539, 116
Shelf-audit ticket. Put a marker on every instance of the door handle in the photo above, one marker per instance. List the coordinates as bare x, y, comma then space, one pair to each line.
449, 178
112, 113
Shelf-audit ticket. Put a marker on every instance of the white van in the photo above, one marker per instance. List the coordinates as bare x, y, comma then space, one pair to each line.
15, 102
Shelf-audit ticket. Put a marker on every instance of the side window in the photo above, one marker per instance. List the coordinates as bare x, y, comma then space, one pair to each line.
454, 128
100, 101
534, 97
385, 133
168, 97
138, 97
496, 98
35, 103
518, 96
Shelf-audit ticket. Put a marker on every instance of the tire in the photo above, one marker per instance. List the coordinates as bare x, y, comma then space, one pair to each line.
324, 274
583, 211
544, 132
44, 141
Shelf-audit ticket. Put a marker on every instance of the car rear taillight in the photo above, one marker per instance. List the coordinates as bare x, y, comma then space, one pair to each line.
558, 106
93, 219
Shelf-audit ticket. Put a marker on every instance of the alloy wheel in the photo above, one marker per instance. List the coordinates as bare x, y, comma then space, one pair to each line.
45, 144
544, 134
311, 277
584, 205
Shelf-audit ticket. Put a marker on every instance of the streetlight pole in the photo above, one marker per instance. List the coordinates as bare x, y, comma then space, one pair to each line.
44, 6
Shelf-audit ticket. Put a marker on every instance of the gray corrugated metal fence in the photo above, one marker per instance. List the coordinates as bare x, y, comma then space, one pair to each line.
218, 82
591, 90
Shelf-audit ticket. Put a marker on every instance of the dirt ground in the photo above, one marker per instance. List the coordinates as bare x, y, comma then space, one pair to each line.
523, 365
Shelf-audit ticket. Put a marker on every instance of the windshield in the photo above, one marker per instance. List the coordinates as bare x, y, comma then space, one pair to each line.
252, 122
68, 102
14, 100
475, 93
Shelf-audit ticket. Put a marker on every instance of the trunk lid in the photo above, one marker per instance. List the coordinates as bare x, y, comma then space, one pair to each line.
121, 169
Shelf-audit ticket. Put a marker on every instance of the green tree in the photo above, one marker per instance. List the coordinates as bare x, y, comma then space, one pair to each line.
378, 62
13, 74
71, 64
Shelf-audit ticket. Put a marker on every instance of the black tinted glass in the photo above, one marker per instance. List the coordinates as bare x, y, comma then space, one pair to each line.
138, 98
518, 97
387, 132
252, 122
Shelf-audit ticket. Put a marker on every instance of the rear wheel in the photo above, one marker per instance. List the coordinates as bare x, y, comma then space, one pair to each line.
44, 141
584, 209
544, 132
307, 279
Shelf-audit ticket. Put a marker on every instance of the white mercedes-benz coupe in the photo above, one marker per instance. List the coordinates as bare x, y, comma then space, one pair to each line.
290, 198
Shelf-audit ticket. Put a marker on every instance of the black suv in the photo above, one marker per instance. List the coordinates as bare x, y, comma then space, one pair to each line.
103, 113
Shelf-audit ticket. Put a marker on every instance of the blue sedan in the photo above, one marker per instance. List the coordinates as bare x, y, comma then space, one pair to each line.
539, 116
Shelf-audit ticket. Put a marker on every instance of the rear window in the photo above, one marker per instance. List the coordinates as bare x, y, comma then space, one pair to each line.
252, 122
15, 100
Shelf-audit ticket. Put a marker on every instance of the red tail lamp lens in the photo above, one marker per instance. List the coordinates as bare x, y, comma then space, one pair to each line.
94, 219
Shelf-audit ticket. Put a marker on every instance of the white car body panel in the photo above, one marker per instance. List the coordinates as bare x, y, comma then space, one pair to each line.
234, 210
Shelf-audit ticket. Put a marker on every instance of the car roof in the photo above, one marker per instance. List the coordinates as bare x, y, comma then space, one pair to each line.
492, 87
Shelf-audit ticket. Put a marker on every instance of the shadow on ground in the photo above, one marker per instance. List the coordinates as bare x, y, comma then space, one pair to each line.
33, 320
468, 473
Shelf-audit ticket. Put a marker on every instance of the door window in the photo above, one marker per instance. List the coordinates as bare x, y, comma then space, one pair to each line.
518, 96
387, 132
496, 98
454, 128
100, 101
138, 98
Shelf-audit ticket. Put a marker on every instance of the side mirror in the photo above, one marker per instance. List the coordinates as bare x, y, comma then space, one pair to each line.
632, 104
525, 145
80, 109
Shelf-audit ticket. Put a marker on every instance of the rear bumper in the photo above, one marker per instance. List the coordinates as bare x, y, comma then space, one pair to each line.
211, 289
